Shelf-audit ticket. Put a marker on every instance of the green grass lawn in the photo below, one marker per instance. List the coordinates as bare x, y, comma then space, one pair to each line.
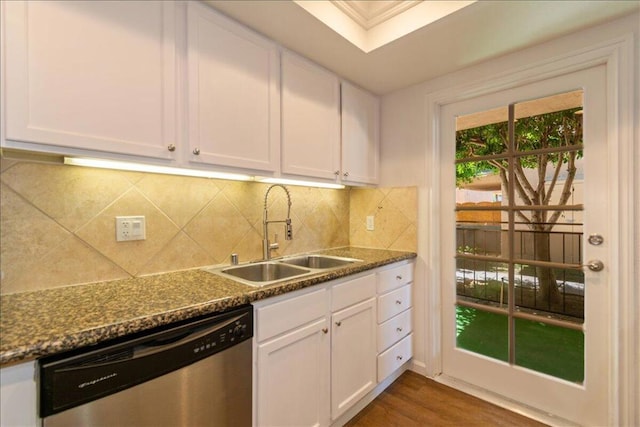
544, 348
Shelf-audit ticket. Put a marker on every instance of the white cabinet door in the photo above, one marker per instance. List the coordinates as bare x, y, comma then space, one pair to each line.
353, 355
96, 75
233, 93
19, 396
293, 378
310, 119
360, 135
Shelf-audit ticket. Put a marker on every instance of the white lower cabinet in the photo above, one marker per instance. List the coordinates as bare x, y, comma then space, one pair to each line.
19, 396
394, 357
309, 372
394, 286
293, 378
353, 367
393, 330
323, 351
394, 302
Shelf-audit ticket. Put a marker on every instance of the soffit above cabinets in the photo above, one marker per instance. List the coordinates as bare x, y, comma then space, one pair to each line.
430, 47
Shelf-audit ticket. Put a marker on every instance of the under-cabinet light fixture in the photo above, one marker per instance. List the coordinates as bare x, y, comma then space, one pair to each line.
298, 182
139, 167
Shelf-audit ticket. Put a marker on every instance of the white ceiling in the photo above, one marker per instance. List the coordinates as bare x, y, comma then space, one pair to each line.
480, 31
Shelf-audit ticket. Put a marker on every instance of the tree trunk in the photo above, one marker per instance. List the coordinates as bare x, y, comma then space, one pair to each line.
548, 295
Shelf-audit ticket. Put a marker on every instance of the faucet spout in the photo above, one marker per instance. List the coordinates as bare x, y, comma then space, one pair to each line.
267, 246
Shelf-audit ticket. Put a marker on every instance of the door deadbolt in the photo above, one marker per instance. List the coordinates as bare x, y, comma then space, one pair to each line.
596, 239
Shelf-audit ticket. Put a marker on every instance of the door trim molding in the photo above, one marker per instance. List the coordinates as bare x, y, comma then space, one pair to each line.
618, 56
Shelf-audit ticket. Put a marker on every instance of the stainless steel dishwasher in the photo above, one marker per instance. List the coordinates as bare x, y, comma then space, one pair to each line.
196, 373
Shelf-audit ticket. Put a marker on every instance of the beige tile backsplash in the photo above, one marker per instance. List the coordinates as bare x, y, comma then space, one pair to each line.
58, 222
395, 213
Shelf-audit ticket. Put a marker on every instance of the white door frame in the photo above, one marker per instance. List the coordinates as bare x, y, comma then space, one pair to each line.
617, 56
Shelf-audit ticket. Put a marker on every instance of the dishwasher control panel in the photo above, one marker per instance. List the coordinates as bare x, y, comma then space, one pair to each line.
222, 338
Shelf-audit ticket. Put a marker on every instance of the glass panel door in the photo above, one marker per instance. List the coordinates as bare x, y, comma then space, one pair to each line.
523, 178
519, 280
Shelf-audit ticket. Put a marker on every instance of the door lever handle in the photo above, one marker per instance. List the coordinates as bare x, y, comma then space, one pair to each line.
594, 265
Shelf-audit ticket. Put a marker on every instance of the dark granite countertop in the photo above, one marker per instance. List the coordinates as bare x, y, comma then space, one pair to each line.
41, 323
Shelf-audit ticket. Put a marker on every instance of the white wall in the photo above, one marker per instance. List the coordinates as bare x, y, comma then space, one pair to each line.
406, 154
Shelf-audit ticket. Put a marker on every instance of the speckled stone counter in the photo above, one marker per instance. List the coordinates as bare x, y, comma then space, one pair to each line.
41, 323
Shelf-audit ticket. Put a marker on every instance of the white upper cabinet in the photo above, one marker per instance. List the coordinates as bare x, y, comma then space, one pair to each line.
95, 75
233, 105
139, 80
360, 135
310, 119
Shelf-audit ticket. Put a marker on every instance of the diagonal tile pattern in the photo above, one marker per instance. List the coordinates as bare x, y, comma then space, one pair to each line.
179, 197
71, 198
26, 234
218, 227
100, 232
395, 212
58, 225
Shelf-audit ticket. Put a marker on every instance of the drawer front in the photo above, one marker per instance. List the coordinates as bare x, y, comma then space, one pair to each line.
283, 316
395, 277
352, 292
393, 330
395, 357
393, 303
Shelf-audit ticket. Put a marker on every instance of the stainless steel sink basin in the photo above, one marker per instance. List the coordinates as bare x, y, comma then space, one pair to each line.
319, 261
261, 274
265, 271
269, 272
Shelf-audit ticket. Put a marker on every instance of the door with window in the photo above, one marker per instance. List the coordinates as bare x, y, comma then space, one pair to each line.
525, 218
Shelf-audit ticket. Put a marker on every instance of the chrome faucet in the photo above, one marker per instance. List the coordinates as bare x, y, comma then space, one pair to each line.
267, 246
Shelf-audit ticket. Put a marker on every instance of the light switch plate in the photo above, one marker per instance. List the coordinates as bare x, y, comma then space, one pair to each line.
370, 223
130, 228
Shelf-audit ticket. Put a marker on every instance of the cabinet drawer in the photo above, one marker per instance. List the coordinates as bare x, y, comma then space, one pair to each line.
395, 277
393, 303
393, 358
352, 292
283, 316
393, 330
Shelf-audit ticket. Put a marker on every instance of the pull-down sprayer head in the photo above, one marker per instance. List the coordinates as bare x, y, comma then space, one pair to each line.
288, 235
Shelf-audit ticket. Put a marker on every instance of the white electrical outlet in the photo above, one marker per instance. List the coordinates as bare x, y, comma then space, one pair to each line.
130, 228
370, 223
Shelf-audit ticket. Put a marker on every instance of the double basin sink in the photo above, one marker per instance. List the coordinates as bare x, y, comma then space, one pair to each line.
269, 272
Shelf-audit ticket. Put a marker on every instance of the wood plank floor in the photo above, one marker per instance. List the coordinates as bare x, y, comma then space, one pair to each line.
413, 400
